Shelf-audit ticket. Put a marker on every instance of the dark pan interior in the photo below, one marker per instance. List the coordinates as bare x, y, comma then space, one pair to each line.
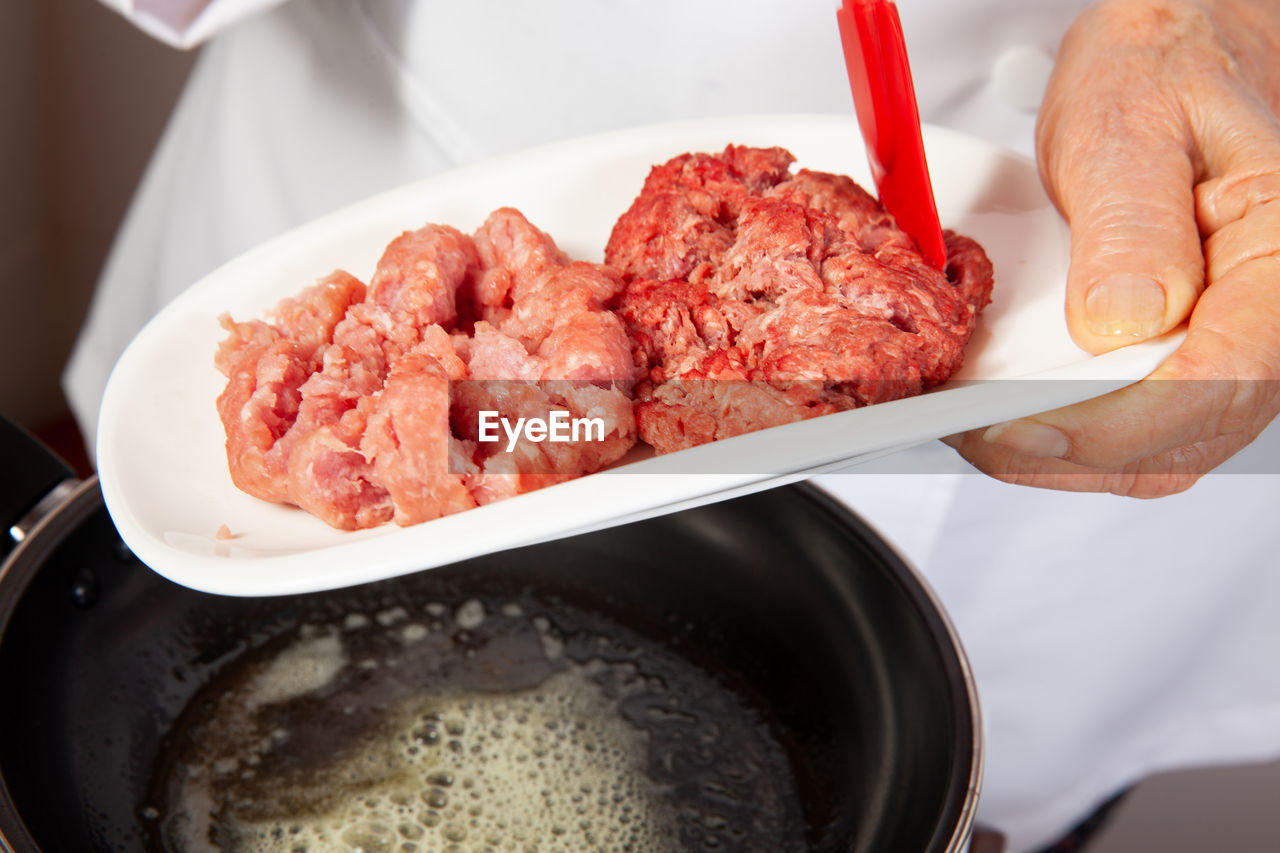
784, 595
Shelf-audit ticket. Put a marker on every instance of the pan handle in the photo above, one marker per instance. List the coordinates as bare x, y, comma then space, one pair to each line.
34, 481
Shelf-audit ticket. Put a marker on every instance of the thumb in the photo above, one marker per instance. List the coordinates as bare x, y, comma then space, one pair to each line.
1114, 147
1137, 266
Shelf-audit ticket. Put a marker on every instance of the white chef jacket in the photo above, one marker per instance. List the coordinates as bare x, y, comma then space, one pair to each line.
1109, 637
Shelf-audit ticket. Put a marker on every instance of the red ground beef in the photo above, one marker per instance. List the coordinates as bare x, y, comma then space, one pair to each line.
757, 297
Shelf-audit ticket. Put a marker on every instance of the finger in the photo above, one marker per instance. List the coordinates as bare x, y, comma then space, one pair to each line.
1239, 213
1138, 422
1158, 476
1136, 267
1240, 144
1180, 414
1238, 207
1209, 399
1118, 156
1255, 236
1223, 200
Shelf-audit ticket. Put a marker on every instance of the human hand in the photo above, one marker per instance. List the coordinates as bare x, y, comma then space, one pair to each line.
1159, 141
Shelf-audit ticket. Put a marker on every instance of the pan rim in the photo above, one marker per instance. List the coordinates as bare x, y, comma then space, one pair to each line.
16, 574
939, 621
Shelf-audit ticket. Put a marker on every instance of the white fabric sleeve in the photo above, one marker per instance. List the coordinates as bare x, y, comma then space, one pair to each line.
187, 23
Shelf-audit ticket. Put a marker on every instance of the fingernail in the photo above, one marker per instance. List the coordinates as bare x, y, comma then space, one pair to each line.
1029, 437
1125, 305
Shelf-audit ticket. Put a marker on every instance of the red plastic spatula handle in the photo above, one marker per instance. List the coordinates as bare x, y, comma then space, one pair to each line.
885, 98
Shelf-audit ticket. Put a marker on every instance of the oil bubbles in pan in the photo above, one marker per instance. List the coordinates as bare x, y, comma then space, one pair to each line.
471, 726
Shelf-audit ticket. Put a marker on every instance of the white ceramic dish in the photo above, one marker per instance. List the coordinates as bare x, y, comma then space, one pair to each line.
160, 453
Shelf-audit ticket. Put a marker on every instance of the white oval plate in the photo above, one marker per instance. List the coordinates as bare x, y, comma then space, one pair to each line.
160, 452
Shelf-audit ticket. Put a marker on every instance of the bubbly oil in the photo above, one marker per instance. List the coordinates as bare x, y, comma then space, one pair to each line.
472, 727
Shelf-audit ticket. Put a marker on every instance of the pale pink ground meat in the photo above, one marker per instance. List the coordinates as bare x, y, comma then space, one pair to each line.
360, 404
757, 297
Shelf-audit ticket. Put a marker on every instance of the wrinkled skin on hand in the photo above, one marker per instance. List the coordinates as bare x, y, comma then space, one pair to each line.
1159, 141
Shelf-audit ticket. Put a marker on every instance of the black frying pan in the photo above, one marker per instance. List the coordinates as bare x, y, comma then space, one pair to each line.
784, 596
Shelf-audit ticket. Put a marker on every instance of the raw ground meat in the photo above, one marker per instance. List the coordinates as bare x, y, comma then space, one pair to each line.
360, 404
757, 297
739, 294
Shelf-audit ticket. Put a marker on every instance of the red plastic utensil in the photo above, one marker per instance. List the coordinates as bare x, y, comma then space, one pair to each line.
885, 98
